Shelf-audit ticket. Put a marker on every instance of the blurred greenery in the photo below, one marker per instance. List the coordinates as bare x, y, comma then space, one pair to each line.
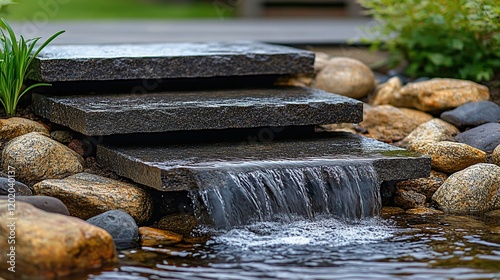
113, 9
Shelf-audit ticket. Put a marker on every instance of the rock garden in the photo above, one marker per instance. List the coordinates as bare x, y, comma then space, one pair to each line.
69, 210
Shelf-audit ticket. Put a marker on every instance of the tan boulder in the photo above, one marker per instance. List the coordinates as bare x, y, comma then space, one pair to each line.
439, 94
434, 130
449, 156
495, 156
88, 195
346, 76
49, 245
153, 236
390, 124
475, 189
426, 186
409, 199
13, 127
36, 157
384, 92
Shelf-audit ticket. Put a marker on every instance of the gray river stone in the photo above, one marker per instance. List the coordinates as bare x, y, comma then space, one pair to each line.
485, 137
178, 167
164, 61
473, 114
216, 109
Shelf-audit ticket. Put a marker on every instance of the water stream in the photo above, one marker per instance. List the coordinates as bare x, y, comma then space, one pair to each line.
345, 191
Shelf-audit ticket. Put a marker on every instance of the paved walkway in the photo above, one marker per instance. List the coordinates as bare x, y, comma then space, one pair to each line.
293, 32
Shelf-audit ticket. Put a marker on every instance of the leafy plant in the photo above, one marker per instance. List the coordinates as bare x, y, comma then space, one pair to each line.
15, 59
446, 38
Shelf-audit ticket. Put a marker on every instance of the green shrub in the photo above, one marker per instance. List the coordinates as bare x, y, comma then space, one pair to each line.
15, 59
446, 38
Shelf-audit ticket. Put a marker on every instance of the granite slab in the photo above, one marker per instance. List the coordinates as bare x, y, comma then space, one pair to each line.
58, 63
108, 114
178, 167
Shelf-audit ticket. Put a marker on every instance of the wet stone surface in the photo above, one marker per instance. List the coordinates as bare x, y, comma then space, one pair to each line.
219, 109
164, 61
178, 167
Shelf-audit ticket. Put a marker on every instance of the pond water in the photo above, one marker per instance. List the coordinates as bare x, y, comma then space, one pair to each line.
388, 247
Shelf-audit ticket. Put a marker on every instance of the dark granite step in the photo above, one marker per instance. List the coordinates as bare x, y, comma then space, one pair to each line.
166, 61
179, 167
110, 114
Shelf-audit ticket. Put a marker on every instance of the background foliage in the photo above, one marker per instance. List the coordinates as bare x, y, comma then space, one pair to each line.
446, 38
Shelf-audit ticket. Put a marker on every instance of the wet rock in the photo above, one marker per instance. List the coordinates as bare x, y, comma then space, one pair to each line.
52, 245
495, 156
383, 93
439, 94
473, 114
388, 211
87, 195
475, 189
13, 127
423, 211
484, 137
180, 223
153, 236
45, 203
449, 156
78, 147
62, 136
409, 199
120, 225
426, 186
36, 157
434, 130
346, 76
390, 124
12, 186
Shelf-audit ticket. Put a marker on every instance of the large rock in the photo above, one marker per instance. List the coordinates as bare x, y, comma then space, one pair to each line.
384, 92
87, 195
449, 156
426, 186
45, 203
472, 190
153, 236
390, 124
120, 225
35, 157
484, 137
495, 156
10, 185
473, 114
50, 245
12, 127
439, 94
434, 130
346, 76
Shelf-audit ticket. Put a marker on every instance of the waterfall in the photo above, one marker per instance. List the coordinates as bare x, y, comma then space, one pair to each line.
238, 197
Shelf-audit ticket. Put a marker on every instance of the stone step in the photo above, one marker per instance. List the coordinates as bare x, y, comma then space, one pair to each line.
179, 167
166, 61
108, 114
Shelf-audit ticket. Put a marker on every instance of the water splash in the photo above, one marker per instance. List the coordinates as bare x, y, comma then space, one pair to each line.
234, 198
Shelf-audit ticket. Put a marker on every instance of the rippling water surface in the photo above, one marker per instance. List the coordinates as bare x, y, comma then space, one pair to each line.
397, 247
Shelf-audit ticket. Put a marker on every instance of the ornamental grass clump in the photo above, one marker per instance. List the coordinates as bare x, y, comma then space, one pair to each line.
16, 56
445, 38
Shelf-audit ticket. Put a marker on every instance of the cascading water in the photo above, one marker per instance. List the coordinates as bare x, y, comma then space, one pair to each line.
234, 198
